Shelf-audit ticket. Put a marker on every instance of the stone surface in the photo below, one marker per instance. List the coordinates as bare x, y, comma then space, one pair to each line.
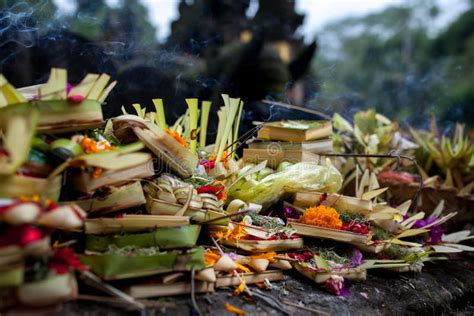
443, 288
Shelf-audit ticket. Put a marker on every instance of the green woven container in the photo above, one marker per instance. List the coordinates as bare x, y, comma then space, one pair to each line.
163, 238
116, 266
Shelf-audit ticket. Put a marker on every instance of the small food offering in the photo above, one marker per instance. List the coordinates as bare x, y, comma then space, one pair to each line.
138, 207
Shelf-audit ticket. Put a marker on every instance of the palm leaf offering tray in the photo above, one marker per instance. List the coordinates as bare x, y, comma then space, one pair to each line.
257, 233
138, 207
62, 109
132, 223
113, 198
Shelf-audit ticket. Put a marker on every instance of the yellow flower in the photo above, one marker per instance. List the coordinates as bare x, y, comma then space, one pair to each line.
241, 268
230, 234
239, 289
322, 216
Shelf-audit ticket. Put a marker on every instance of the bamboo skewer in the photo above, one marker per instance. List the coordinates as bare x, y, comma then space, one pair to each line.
98, 283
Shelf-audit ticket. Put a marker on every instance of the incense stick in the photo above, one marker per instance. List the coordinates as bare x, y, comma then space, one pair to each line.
298, 108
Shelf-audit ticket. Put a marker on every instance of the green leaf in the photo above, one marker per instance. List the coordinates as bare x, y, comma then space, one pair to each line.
405, 243
205, 109
412, 232
372, 194
193, 121
457, 236
55, 88
321, 263
232, 105
445, 249
342, 124
366, 121
85, 86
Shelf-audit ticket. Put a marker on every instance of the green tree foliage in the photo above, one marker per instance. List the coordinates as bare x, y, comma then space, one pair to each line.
128, 24
391, 61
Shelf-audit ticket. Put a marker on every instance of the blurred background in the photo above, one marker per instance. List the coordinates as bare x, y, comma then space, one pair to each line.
408, 59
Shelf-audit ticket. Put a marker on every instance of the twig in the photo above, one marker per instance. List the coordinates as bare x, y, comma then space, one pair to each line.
309, 309
98, 283
271, 301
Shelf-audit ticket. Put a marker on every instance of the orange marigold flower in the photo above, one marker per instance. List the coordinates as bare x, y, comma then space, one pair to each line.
322, 216
236, 233
224, 159
178, 137
210, 258
241, 268
90, 146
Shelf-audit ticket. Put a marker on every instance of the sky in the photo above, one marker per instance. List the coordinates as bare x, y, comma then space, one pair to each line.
318, 12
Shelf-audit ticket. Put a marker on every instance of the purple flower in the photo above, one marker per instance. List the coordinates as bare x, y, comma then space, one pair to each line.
423, 222
232, 255
436, 232
356, 258
68, 88
345, 288
288, 212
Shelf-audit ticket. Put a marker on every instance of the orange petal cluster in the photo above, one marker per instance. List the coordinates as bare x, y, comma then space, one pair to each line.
210, 258
322, 216
232, 309
270, 256
177, 136
90, 146
230, 234
224, 159
239, 289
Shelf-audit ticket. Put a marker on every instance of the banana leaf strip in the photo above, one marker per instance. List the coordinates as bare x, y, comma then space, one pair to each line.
15, 186
12, 276
17, 126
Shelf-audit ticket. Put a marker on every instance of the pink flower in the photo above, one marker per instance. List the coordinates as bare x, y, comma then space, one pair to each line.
76, 99
337, 285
